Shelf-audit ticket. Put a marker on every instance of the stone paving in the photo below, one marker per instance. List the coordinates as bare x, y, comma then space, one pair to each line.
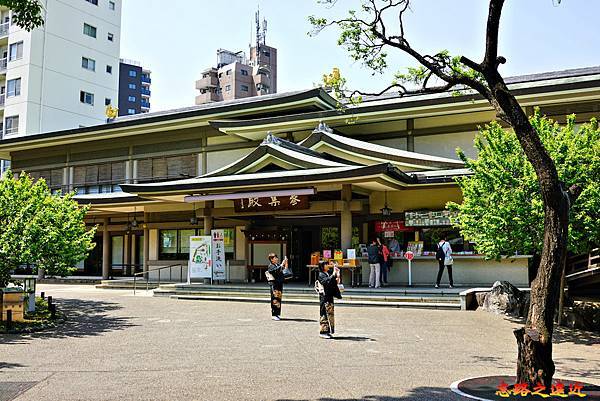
119, 347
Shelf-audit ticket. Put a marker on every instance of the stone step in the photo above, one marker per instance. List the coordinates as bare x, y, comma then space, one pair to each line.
315, 301
312, 296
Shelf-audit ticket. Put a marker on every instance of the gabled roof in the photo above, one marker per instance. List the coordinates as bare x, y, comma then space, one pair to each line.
276, 151
323, 140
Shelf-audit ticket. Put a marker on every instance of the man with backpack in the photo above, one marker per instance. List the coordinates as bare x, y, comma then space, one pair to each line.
444, 258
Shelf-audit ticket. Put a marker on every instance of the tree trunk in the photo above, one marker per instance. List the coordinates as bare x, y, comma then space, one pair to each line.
534, 341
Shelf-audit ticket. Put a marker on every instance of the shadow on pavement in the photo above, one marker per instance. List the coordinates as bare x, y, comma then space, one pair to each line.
289, 319
9, 365
574, 336
84, 318
576, 367
352, 338
416, 394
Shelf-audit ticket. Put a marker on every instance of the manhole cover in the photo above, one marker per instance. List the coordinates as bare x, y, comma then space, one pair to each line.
11, 390
504, 388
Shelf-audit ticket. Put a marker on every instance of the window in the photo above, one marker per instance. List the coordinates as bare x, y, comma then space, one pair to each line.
86, 97
13, 87
111, 5
132, 86
15, 51
11, 125
94, 2
109, 69
132, 73
227, 88
107, 101
175, 244
267, 54
130, 111
245, 88
228, 72
244, 72
89, 30
111, 37
131, 98
88, 64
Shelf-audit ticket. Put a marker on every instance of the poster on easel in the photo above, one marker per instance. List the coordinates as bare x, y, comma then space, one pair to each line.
200, 263
218, 255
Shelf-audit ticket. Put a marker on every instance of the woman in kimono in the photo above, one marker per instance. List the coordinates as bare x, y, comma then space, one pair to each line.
327, 287
275, 278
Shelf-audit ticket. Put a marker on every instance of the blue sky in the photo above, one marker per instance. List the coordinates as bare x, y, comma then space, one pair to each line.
179, 38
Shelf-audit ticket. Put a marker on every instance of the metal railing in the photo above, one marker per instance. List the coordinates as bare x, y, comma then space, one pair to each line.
3, 64
2, 99
147, 274
582, 263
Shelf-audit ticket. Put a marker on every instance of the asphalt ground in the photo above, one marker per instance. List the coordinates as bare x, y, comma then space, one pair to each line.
119, 347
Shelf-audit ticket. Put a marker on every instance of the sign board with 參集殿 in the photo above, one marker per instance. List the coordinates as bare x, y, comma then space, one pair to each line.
271, 203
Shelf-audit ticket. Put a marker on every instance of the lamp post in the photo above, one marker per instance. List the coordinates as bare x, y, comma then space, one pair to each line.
29, 288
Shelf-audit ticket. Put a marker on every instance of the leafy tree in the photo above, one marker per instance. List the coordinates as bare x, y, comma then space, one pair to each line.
378, 26
39, 228
26, 13
502, 210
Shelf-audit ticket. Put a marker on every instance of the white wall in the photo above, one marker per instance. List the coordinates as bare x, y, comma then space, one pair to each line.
445, 144
220, 159
51, 72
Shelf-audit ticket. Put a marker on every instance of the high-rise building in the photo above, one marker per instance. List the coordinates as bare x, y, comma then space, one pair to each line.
134, 88
236, 77
63, 74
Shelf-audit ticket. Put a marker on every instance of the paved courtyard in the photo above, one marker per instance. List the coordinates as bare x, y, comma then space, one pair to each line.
119, 347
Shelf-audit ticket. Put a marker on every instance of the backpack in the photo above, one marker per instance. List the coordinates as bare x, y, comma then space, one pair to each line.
440, 254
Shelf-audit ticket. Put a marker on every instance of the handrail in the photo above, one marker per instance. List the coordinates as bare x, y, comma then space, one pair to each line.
147, 273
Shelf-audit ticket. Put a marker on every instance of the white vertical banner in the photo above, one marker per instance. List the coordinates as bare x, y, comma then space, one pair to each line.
218, 254
200, 263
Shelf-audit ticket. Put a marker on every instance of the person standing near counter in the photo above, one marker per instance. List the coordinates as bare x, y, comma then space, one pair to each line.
274, 275
384, 261
375, 275
444, 258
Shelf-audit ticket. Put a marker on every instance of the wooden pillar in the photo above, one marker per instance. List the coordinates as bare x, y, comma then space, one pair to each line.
127, 255
106, 262
134, 259
146, 241
208, 219
346, 217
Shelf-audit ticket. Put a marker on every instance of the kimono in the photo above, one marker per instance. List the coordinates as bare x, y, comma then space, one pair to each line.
275, 278
329, 291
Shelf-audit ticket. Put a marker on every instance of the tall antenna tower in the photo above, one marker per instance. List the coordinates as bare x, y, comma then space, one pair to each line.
261, 34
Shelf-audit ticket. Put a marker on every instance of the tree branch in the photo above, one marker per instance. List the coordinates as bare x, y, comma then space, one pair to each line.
490, 60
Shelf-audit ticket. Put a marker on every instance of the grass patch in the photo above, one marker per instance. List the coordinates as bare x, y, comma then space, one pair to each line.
39, 320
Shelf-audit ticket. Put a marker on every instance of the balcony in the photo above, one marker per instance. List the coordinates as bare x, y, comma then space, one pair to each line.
145, 92
145, 105
207, 82
2, 99
3, 64
4, 29
146, 80
208, 97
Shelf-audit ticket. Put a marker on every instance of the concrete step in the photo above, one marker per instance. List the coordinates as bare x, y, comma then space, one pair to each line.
315, 301
127, 284
303, 296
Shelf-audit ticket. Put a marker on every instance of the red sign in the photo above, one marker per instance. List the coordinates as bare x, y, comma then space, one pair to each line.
409, 255
391, 225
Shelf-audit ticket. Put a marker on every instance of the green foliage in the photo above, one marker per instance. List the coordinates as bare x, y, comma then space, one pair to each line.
39, 228
502, 209
26, 13
361, 35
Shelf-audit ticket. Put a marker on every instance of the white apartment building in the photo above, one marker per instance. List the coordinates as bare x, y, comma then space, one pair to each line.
63, 74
